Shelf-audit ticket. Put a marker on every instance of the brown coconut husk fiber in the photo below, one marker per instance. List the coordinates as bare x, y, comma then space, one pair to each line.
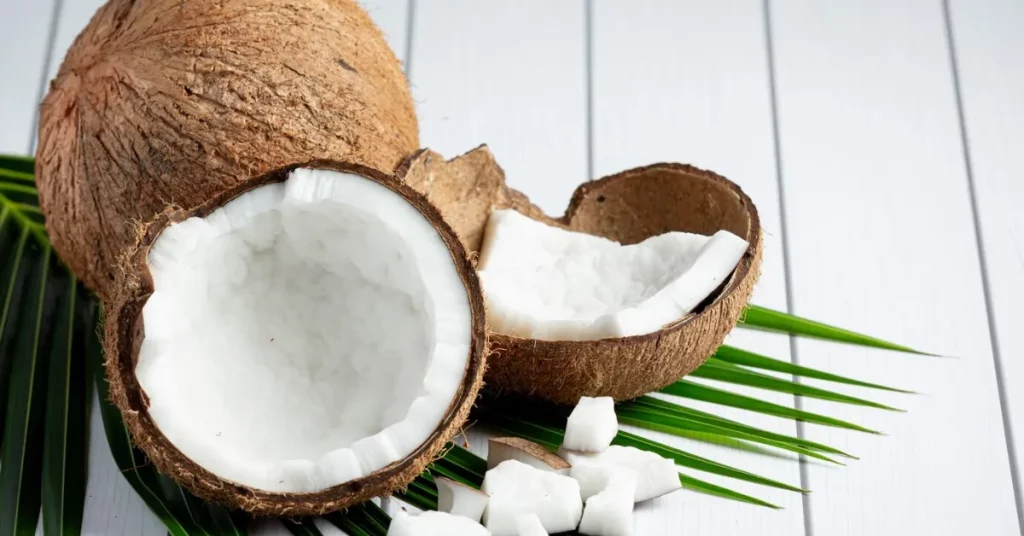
627, 207
165, 102
125, 332
536, 450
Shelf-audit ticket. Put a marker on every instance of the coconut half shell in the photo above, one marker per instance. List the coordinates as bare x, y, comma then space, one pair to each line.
125, 331
627, 207
167, 102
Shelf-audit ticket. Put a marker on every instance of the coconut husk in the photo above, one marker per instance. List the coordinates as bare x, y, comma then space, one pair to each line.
125, 331
166, 102
627, 207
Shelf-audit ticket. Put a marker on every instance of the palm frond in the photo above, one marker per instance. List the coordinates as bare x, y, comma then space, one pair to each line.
757, 317
696, 391
736, 356
735, 374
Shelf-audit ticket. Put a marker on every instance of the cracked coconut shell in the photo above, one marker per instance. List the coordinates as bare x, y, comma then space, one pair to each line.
627, 207
125, 331
166, 102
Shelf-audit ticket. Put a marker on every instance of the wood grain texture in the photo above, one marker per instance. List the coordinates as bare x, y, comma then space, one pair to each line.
701, 96
25, 27
989, 49
881, 240
877, 202
509, 74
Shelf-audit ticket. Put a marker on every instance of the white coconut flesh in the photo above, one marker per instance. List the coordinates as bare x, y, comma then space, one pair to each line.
610, 511
305, 334
655, 475
530, 525
459, 499
592, 425
516, 489
434, 524
547, 283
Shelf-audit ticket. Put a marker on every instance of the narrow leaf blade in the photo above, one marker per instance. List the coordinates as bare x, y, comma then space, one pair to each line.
695, 391
770, 320
727, 372
65, 454
21, 455
737, 356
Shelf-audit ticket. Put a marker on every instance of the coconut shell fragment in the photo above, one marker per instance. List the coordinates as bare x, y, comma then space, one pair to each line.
168, 102
125, 332
627, 207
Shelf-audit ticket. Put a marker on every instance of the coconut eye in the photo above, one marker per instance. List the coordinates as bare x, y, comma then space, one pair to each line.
319, 332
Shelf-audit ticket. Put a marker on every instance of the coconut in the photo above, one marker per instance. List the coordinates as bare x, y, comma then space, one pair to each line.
300, 343
655, 476
459, 499
434, 524
167, 102
626, 208
591, 426
516, 489
501, 449
610, 511
530, 525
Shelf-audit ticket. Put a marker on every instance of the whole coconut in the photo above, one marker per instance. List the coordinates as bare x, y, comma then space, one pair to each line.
164, 102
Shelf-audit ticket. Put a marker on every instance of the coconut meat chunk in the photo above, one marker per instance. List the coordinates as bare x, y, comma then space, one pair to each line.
306, 333
548, 283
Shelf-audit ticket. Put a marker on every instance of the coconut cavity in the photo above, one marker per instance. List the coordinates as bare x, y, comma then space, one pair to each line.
304, 334
548, 283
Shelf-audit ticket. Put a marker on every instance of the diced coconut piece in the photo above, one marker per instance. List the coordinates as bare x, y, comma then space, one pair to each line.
500, 449
655, 476
434, 524
516, 488
529, 525
592, 425
544, 282
610, 512
459, 499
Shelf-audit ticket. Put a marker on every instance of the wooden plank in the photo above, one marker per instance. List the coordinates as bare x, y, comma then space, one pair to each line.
25, 27
701, 96
509, 74
881, 240
989, 48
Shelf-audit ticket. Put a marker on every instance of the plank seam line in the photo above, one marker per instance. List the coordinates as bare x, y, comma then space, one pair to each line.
805, 498
44, 78
588, 65
982, 261
410, 31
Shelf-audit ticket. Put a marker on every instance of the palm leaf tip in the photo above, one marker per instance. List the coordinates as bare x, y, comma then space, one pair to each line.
767, 319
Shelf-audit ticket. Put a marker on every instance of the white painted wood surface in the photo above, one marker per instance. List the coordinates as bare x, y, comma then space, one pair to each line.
876, 204
881, 239
990, 63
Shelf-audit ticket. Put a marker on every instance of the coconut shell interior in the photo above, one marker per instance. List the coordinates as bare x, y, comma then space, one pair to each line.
125, 332
627, 207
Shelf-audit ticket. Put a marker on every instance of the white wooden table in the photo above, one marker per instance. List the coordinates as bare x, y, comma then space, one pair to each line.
882, 140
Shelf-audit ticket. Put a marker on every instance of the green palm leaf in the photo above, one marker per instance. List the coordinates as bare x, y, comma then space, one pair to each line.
736, 356
366, 519
766, 319
727, 372
302, 527
696, 391
67, 413
21, 458
721, 425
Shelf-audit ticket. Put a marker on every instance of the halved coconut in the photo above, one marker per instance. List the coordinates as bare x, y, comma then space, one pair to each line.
301, 343
628, 208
